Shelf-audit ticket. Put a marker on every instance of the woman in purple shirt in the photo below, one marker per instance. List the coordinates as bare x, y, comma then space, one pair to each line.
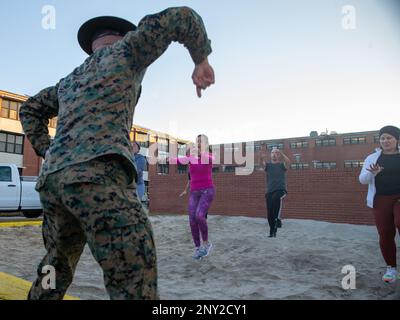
202, 192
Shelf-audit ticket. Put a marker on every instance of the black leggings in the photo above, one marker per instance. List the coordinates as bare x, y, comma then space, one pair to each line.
274, 207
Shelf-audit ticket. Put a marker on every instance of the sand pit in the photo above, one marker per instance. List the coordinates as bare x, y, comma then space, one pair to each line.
303, 262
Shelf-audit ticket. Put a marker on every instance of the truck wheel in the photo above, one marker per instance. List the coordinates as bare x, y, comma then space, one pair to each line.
32, 214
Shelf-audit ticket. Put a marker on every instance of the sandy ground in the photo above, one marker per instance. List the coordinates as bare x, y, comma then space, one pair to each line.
303, 262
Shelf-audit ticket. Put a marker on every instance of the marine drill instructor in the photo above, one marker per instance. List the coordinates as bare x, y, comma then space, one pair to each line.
88, 167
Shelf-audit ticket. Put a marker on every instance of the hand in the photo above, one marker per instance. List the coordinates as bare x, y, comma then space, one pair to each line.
203, 76
375, 169
183, 194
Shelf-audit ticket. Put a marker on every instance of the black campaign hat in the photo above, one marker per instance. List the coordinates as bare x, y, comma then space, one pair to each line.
91, 27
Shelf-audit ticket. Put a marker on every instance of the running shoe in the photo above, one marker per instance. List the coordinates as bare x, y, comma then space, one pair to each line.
390, 276
198, 253
206, 250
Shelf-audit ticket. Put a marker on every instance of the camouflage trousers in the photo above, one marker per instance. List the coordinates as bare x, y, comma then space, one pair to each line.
91, 203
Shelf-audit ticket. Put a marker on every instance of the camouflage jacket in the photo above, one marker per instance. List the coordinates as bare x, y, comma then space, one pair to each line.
95, 104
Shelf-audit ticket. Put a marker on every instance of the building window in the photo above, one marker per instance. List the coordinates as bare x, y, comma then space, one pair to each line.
215, 169
228, 169
53, 123
163, 146
271, 146
377, 140
181, 149
353, 164
11, 143
147, 166
299, 145
325, 142
300, 166
231, 148
142, 139
163, 168
182, 168
10, 109
324, 165
355, 140
5, 174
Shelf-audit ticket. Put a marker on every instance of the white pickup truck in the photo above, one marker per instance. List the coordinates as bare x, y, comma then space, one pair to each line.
17, 193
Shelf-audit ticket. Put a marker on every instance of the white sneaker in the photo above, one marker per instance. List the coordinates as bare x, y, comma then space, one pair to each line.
390, 276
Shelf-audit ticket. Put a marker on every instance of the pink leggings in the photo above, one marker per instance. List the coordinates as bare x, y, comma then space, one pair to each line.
387, 219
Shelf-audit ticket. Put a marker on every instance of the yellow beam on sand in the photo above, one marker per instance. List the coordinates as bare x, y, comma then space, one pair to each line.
13, 288
20, 224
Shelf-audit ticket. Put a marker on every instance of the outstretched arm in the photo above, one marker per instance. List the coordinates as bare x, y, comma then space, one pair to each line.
35, 114
156, 32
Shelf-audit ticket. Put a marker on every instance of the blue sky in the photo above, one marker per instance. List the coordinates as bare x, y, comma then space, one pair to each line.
283, 67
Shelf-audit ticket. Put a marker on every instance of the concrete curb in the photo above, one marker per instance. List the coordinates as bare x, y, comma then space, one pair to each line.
20, 224
13, 288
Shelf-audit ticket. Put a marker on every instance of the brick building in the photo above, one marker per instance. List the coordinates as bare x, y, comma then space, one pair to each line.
322, 183
16, 149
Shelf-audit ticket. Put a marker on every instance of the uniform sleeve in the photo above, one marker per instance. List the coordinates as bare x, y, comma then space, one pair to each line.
35, 114
156, 32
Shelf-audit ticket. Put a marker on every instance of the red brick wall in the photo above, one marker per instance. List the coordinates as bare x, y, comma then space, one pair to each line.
32, 162
326, 195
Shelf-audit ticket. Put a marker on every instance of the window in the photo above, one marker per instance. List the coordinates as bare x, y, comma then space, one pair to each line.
377, 140
325, 142
229, 169
10, 109
181, 150
299, 145
324, 165
5, 174
353, 164
163, 168
250, 146
300, 166
215, 170
53, 123
355, 140
142, 139
181, 168
230, 148
163, 146
270, 146
11, 143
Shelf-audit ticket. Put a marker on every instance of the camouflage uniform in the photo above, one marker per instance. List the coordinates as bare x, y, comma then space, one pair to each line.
84, 180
